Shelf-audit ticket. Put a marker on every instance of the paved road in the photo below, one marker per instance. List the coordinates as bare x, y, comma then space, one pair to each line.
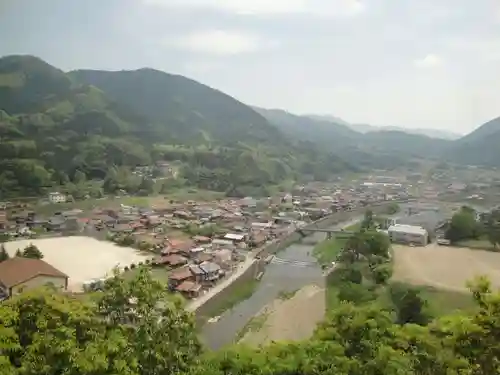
195, 304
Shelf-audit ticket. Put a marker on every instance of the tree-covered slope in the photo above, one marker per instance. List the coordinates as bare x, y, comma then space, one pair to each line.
384, 149
480, 147
56, 125
50, 127
188, 110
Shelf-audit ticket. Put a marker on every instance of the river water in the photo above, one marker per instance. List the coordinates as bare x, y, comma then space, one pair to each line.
295, 268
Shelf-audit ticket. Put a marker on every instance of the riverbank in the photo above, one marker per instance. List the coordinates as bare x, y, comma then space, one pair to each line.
211, 301
290, 319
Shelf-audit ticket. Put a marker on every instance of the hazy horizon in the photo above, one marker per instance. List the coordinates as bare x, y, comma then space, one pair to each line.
416, 64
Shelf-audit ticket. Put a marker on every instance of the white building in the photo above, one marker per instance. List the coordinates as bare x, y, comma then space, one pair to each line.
408, 234
57, 197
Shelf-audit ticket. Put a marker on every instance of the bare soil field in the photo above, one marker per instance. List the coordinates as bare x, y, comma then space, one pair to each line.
444, 267
81, 258
288, 320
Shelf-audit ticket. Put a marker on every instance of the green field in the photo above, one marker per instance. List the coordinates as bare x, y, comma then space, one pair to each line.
240, 293
114, 202
327, 251
481, 244
159, 274
440, 302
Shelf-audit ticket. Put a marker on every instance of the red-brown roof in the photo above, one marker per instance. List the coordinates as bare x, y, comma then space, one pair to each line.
17, 270
188, 286
181, 274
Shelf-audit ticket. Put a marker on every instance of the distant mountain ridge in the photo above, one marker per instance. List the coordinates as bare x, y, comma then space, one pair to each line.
377, 146
366, 128
479, 147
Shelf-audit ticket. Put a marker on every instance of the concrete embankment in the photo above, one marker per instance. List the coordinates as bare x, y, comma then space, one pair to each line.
248, 271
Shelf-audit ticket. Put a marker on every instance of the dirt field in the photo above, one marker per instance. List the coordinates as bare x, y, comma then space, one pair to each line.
81, 258
444, 267
288, 320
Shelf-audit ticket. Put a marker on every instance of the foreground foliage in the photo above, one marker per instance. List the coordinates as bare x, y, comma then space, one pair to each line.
136, 328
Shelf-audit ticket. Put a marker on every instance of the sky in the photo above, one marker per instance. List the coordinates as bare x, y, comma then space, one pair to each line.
409, 63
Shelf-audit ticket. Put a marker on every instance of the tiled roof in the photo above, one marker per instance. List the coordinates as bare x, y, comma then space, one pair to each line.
17, 270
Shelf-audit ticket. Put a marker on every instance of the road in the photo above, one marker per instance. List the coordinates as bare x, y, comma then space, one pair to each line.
195, 304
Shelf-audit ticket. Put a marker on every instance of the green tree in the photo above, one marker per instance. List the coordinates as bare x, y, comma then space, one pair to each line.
368, 221
493, 228
4, 255
393, 208
48, 333
463, 226
79, 177
31, 251
410, 307
160, 333
19, 253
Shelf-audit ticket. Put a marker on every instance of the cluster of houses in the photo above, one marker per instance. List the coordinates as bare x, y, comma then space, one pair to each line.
197, 243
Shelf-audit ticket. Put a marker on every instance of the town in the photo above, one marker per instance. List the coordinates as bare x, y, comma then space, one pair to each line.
191, 245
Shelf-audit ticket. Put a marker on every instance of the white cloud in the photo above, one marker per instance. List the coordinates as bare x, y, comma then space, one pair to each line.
429, 61
262, 7
219, 42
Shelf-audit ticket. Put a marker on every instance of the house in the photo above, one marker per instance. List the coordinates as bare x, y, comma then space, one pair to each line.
56, 223
212, 271
223, 258
178, 276
189, 288
218, 243
3, 220
18, 274
57, 197
203, 257
234, 237
408, 234
173, 260
198, 273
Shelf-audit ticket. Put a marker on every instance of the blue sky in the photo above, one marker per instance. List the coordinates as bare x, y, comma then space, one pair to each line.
410, 63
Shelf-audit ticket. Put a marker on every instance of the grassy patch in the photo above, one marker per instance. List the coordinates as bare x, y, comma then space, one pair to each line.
238, 294
254, 325
441, 302
327, 251
283, 295
481, 244
444, 302
354, 227
158, 274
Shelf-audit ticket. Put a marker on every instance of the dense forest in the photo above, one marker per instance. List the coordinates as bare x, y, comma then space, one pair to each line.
69, 129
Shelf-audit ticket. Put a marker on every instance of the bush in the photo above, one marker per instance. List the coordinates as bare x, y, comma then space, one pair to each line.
132, 266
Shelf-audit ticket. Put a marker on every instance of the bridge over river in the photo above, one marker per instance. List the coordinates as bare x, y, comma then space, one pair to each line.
330, 233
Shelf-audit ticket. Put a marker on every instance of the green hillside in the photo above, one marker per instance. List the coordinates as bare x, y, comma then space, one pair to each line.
479, 147
61, 128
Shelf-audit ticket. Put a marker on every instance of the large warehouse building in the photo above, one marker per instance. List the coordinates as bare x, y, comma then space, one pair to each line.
408, 234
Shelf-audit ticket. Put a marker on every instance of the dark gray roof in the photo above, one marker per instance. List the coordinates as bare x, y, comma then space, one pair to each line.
210, 267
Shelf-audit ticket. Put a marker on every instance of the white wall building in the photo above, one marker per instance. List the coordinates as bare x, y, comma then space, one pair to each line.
408, 234
57, 197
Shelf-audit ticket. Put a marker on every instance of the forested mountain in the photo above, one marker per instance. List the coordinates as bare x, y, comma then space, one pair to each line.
384, 149
58, 127
389, 148
479, 147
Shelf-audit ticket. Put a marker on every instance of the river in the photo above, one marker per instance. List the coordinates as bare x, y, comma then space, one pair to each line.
295, 268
